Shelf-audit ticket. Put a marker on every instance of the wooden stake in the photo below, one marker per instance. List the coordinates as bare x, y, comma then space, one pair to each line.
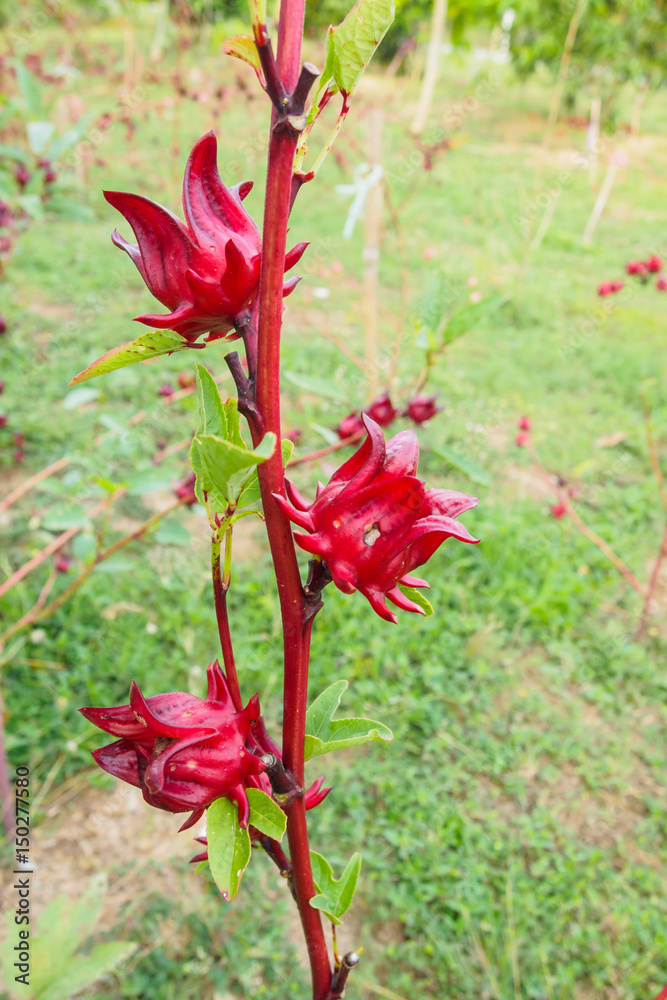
432, 66
371, 255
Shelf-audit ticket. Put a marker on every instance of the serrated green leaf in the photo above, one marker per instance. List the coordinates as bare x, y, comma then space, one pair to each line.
149, 345
463, 464
265, 814
147, 481
335, 895
225, 467
62, 517
324, 735
228, 847
351, 45
251, 491
243, 47
416, 595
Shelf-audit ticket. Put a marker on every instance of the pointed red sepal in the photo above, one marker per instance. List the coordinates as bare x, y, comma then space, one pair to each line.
192, 819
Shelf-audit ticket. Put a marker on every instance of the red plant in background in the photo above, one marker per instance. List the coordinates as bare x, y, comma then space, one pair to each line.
382, 411
349, 426
524, 423
3, 325
374, 522
661, 284
183, 752
186, 490
558, 511
636, 268
166, 390
654, 264
422, 408
207, 271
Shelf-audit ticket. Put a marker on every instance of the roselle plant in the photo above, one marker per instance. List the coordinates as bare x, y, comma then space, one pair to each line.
367, 529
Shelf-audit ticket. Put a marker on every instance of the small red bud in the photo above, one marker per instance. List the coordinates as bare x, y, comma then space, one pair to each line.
185, 380
4, 419
62, 563
637, 267
558, 511
654, 264
166, 390
522, 439
349, 425
22, 175
18, 456
3, 325
381, 410
19, 439
661, 284
186, 490
524, 424
294, 435
422, 408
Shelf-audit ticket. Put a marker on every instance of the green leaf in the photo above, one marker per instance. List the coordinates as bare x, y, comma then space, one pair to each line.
243, 47
335, 895
147, 481
30, 91
79, 397
324, 735
251, 492
62, 517
350, 46
464, 319
228, 847
212, 419
225, 467
463, 464
416, 595
86, 970
149, 345
13, 153
173, 533
266, 814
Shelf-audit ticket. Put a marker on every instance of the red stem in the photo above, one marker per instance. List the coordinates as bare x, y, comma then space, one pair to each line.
314, 455
220, 597
296, 623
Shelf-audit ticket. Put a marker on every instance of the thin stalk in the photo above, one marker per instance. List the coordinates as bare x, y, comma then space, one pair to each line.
296, 623
314, 455
653, 583
220, 588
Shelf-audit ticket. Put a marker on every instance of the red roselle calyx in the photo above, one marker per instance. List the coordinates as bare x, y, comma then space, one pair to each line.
382, 411
422, 408
207, 271
374, 522
183, 752
350, 425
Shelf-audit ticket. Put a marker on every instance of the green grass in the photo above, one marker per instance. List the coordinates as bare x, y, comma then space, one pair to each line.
514, 833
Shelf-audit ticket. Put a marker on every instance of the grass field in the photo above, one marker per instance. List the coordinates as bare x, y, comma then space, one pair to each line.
514, 834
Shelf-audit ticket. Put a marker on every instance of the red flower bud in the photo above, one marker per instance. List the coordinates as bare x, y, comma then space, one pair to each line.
349, 425
616, 286
22, 175
166, 390
422, 408
62, 563
5, 214
524, 423
654, 264
604, 289
381, 410
3, 325
183, 752
5, 244
186, 490
50, 176
661, 284
4, 419
185, 380
19, 439
558, 511
2, 386
207, 271
636, 267
522, 439
374, 522
294, 435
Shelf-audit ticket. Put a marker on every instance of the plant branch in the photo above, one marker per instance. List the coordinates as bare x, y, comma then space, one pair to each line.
336, 446
296, 625
220, 588
652, 586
